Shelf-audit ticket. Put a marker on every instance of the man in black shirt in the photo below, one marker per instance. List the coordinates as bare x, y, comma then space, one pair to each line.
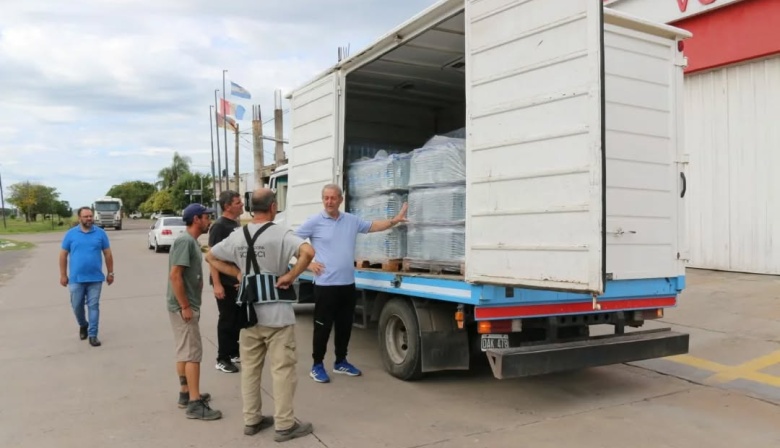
226, 287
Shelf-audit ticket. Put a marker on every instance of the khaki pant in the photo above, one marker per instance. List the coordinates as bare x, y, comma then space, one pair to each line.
279, 344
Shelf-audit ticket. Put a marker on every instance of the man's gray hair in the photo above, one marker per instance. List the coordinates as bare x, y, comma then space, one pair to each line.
226, 198
333, 187
262, 200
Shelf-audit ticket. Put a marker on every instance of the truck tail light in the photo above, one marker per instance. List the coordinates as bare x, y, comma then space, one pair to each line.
166, 232
494, 326
680, 45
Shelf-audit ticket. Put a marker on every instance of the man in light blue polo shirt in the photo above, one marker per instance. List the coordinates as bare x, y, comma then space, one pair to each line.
333, 234
84, 245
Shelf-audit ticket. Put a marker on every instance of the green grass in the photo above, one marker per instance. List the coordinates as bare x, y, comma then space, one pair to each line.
14, 245
18, 226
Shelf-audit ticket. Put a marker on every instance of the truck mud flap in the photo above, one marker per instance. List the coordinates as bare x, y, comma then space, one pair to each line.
593, 352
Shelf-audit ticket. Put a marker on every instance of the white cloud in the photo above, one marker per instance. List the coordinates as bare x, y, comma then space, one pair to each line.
100, 92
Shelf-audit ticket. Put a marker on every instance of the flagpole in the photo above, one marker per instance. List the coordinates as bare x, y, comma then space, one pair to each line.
216, 118
224, 128
213, 178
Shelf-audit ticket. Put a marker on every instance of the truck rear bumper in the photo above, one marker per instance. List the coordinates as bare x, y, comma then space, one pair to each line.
593, 352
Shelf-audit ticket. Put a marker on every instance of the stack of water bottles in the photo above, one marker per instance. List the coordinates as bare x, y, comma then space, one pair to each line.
377, 189
437, 203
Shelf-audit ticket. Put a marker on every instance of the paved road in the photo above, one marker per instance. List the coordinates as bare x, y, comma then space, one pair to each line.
58, 391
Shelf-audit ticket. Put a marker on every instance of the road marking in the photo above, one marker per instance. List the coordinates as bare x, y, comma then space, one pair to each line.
747, 371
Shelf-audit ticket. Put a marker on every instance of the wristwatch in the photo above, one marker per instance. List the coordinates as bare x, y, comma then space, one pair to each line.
110, 274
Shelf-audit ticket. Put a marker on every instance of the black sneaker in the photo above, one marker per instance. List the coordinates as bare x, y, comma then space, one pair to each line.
226, 366
83, 332
184, 398
264, 423
94, 341
297, 430
200, 410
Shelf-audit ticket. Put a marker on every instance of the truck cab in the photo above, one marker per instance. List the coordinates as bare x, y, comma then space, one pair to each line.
108, 212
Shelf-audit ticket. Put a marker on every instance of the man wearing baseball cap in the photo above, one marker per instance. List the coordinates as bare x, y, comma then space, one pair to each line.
185, 285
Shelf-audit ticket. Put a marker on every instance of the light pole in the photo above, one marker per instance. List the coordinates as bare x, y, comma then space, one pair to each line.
224, 129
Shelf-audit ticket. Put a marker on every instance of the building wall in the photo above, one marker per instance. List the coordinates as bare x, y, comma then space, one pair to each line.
733, 138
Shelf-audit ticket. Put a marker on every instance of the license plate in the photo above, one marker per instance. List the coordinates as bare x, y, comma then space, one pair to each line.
490, 341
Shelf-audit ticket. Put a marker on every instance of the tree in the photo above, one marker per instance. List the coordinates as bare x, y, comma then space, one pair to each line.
63, 210
161, 200
170, 175
192, 181
132, 194
33, 198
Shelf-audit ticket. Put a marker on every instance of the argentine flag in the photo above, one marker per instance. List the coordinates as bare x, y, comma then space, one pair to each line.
237, 90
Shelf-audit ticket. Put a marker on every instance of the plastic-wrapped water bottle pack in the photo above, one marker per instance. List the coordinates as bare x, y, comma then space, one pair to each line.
440, 162
436, 243
438, 205
382, 206
381, 174
381, 246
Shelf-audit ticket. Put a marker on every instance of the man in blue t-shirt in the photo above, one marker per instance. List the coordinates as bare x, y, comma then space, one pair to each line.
84, 244
333, 235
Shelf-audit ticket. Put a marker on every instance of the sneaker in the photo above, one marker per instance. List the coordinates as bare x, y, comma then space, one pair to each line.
297, 430
226, 366
200, 410
346, 368
264, 423
319, 374
83, 332
184, 398
235, 360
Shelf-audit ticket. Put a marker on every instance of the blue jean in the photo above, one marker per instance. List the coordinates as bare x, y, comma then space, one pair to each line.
88, 294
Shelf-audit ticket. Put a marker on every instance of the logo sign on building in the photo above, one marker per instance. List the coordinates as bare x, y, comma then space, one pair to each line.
666, 11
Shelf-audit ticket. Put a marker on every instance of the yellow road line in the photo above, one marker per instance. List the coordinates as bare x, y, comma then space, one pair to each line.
748, 368
723, 373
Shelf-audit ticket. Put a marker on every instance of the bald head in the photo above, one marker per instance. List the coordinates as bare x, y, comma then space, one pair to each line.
262, 200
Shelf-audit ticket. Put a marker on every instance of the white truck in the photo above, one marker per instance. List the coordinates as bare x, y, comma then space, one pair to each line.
575, 180
108, 212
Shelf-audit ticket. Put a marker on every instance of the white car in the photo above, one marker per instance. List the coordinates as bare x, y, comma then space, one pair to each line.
136, 215
164, 232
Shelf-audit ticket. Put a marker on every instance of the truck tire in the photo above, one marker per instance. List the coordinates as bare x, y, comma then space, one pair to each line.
118, 227
399, 340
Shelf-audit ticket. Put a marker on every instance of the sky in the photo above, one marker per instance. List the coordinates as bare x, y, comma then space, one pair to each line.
100, 92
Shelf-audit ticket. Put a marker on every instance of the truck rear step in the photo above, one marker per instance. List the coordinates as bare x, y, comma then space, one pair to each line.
592, 352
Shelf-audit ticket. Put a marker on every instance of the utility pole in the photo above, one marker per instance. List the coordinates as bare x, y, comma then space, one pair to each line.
238, 176
2, 199
213, 178
257, 145
219, 158
224, 116
278, 128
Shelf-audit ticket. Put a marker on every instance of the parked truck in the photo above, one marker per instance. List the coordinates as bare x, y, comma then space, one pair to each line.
575, 181
108, 212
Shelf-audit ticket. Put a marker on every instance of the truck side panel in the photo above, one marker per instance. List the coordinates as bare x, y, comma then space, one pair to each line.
315, 124
534, 147
641, 117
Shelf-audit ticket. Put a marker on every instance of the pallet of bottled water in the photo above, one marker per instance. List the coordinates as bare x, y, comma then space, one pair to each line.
435, 249
381, 247
383, 173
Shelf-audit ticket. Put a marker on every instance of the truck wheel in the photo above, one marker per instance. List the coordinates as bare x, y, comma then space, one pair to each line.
399, 340
118, 228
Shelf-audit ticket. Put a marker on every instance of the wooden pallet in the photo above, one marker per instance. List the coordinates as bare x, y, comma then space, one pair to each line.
393, 265
434, 267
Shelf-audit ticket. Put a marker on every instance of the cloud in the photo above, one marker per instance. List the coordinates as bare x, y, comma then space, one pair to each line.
96, 93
